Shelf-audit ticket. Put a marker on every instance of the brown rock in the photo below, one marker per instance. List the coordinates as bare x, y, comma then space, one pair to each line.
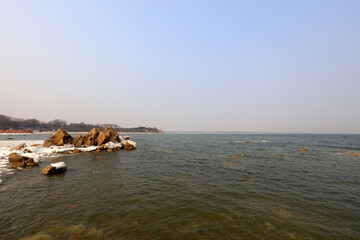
102, 147
304, 150
26, 150
47, 143
129, 145
126, 138
78, 141
50, 170
35, 145
103, 137
90, 137
60, 137
20, 161
76, 150
117, 148
31, 162
248, 141
18, 147
107, 135
114, 135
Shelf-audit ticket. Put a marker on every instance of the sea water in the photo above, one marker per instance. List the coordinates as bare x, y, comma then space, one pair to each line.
191, 186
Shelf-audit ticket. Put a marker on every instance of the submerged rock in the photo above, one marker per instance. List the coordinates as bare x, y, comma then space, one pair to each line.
20, 161
54, 168
304, 150
18, 147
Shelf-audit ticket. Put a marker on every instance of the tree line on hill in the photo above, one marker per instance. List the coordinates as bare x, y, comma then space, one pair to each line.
9, 123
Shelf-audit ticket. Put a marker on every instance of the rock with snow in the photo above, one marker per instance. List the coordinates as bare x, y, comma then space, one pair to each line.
16, 160
129, 145
54, 168
18, 147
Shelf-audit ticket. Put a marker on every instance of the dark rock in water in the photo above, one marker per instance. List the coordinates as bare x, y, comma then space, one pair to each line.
54, 168
20, 161
78, 141
30, 162
126, 138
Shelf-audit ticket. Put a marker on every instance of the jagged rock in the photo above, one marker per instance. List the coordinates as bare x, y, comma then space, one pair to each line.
18, 147
47, 143
114, 135
103, 137
20, 161
78, 141
60, 137
129, 145
90, 137
26, 150
107, 135
54, 168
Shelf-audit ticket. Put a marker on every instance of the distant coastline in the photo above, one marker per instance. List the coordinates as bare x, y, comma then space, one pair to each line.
35, 126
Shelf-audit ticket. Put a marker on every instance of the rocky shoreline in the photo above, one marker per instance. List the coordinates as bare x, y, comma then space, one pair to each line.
97, 140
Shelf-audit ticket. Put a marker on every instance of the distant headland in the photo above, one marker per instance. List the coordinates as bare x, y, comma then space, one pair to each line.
33, 125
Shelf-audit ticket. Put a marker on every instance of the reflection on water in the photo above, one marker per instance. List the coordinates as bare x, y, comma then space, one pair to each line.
192, 187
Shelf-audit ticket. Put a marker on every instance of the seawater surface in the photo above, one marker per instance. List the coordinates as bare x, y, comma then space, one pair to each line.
192, 186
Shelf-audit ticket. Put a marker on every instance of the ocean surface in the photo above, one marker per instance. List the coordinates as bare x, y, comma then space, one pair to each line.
191, 186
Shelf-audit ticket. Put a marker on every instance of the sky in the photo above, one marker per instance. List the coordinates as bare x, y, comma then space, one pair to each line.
249, 66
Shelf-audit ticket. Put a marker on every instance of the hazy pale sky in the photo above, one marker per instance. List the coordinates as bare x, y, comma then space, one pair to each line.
265, 66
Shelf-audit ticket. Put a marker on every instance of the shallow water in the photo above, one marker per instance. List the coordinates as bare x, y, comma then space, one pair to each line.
192, 186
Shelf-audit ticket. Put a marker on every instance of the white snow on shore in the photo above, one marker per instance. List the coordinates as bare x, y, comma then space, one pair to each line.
38, 152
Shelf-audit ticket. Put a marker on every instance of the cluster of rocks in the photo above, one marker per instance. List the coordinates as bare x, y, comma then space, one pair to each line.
97, 140
105, 139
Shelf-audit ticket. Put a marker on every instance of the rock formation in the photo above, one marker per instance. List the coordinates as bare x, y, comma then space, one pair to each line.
20, 161
54, 168
129, 145
59, 138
